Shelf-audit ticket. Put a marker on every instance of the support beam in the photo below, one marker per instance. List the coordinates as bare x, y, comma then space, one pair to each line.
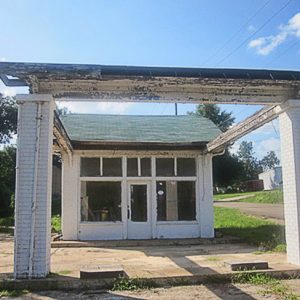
253, 122
289, 122
73, 82
61, 136
33, 186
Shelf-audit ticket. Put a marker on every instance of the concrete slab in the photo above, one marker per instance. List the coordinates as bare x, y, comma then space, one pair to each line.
246, 265
102, 272
153, 262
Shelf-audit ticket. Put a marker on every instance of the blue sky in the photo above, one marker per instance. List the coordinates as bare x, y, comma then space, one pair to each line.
214, 33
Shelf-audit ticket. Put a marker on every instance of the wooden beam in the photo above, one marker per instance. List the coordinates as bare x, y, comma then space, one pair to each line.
182, 90
73, 82
253, 122
61, 136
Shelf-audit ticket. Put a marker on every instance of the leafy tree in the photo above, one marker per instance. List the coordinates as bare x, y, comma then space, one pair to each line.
226, 168
8, 118
7, 179
250, 163
63, 111
213, 112
269, 161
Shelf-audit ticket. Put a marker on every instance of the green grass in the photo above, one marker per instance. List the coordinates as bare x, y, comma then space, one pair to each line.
12, 293
271, 285
56, 223
131, 284
231, 195
275, 196
8, 221
252, 230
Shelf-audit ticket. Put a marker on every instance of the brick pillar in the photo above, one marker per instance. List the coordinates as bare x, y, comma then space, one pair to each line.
290, 159
33, 186
206, 206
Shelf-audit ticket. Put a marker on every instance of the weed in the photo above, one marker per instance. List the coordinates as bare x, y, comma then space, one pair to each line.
12, 293
56, 223
131, 284
253, 278
64, 272
213, 258
272, 285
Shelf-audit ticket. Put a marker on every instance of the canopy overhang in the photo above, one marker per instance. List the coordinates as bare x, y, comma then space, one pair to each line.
80, 82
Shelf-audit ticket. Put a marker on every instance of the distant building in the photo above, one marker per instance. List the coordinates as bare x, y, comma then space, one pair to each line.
272, 178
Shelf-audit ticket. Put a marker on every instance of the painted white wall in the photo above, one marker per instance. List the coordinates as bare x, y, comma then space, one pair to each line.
272, 178
33, 186
74, 229
290, 158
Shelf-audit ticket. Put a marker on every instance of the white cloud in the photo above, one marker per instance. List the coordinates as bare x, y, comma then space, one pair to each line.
265, 45
264, 146
98, 107
2, 59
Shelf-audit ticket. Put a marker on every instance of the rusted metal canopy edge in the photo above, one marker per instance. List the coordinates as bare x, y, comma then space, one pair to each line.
88, 71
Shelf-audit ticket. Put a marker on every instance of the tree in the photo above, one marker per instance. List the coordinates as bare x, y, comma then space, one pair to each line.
250, 163
227, 161
269, 161
7, 179
8, 118
222, 119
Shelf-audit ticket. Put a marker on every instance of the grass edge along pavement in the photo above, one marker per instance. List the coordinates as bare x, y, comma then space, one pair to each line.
252, 230
273, 196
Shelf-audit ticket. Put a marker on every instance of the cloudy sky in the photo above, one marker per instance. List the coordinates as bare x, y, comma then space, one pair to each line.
201, 33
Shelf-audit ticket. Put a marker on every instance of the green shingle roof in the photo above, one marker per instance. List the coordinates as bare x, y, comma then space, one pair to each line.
129, 128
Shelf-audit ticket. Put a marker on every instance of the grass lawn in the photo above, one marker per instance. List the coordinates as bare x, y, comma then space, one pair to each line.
251, 230
275, 196
7, 223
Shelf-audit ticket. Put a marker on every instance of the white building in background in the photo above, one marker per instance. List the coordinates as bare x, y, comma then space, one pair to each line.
272, 178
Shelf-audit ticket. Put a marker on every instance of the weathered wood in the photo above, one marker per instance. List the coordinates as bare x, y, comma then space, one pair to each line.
253, 122
69, 82
61, 137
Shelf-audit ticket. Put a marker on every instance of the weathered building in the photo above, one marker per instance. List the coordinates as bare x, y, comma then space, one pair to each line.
279, 90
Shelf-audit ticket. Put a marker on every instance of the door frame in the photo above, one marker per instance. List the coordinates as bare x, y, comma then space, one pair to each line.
148, 183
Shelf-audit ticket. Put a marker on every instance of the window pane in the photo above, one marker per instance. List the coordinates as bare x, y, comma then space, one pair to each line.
138, 202
101, 201
146, 167
186, 200
90, 166
132, 167
186, 167
176, 200
164, 167
112, 166
161, 200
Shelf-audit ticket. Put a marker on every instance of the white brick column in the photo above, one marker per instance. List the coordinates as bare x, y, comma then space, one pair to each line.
206, 206
290, 160
33, 186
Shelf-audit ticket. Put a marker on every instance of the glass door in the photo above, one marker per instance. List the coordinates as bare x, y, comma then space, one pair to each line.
138, 211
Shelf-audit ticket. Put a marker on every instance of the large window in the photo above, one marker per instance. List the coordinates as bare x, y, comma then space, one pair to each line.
96, 166
139, 166
181, 167
100, 201
176, 200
